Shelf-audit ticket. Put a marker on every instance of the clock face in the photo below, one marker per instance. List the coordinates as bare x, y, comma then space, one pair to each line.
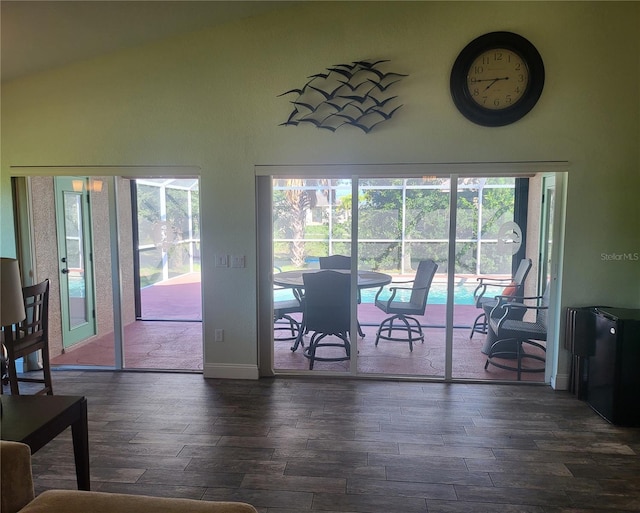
497, 79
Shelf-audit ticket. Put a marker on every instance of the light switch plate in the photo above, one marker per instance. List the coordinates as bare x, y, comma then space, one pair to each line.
237, 261
222, 261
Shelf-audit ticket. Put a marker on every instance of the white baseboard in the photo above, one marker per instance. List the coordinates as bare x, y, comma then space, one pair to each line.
230, 371
560, 382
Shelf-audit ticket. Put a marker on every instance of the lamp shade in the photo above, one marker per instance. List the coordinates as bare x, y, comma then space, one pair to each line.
11, 300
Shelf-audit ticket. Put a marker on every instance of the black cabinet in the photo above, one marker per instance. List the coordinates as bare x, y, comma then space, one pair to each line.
613, 383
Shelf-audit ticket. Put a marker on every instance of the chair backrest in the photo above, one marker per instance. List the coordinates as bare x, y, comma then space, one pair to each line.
422, 282
335, 262
36, 306
327, 305
521, 274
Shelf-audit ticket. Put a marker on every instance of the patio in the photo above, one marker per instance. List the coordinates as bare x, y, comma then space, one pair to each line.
177, 345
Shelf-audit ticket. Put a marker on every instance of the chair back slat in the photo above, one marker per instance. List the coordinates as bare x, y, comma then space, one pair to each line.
36, 304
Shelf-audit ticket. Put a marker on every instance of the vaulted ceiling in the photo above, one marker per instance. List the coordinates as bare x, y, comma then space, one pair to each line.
41, 35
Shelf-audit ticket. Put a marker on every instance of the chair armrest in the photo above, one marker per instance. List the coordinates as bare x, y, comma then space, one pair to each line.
481, 289
508, 306
498, 282
16, 486
394, 291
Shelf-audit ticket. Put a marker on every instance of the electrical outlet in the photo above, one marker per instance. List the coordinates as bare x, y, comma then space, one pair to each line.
218, 335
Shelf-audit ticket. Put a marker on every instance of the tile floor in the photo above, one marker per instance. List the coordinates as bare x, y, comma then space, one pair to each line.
290, 445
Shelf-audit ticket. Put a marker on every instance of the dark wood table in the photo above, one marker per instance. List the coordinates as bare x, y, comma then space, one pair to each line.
37, 419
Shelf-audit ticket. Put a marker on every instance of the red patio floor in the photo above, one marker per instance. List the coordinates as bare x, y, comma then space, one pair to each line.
174, 345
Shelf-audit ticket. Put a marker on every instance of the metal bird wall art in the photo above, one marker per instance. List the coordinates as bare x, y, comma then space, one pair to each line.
355, 94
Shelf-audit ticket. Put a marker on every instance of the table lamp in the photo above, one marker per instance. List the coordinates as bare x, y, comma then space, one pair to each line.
11, 300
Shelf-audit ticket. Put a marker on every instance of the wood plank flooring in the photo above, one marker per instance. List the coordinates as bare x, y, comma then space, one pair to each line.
345, 446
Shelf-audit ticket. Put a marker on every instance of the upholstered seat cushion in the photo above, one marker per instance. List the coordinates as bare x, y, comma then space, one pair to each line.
521, 329
73, 501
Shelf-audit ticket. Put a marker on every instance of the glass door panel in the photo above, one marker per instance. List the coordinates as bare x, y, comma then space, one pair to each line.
491, 241
311, 218
167, 227
75, 268
400, 223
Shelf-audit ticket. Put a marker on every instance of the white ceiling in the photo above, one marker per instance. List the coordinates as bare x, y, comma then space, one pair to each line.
41, 35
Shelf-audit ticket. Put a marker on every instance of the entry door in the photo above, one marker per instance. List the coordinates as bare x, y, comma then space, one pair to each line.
75, 252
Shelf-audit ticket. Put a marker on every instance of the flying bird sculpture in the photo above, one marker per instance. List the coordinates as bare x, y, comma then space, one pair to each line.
351, 94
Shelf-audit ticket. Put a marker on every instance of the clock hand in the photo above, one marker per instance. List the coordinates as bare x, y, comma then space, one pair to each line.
493, 81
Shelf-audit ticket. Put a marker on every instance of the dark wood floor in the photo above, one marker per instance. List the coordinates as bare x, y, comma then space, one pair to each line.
330, 445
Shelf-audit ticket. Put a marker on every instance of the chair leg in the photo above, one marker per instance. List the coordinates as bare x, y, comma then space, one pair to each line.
314, 343
13, 376
299, 339
388, 326
46, 370
518, 353
479, 325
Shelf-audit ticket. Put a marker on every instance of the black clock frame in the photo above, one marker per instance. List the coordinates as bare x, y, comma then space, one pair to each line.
458, 81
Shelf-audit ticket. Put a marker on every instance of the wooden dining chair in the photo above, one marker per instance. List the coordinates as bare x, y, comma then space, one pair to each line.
29, 336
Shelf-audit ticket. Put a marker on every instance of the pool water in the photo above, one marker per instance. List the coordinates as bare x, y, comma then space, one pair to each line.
463, 294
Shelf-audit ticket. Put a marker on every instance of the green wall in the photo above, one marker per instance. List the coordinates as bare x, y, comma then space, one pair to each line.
209, 99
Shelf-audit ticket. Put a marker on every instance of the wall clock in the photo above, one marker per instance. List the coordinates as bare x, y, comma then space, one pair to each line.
497, 79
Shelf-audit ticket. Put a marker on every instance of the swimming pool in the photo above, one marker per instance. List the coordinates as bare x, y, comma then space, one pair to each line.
463, 294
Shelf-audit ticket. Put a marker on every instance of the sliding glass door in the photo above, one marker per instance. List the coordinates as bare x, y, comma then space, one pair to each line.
472, 227
401, 222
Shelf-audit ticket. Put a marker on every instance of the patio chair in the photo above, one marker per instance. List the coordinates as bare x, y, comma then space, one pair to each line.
488, 288
340, 262
327, 313
335, 262
403, 319
29, 336
513, 335
282, 310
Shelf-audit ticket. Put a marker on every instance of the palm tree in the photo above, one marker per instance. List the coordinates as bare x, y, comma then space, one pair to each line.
300, 199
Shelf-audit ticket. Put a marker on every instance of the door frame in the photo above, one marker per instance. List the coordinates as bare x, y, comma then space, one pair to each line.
264, 175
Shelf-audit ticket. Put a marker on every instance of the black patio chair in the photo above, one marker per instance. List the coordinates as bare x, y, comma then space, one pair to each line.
340, 262
282, 310
327, 313
513, 335
403, 319
335, 262
488, 288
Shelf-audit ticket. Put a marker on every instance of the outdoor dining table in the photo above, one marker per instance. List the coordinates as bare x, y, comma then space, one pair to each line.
293, 280
366, 279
